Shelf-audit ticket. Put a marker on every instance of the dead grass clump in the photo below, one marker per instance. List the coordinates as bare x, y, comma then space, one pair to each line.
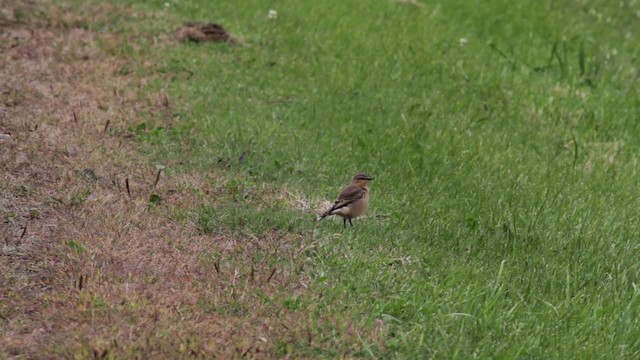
203, 32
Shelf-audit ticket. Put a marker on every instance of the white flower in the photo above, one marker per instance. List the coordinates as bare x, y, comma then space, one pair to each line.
167, 4
463, 41
272, 14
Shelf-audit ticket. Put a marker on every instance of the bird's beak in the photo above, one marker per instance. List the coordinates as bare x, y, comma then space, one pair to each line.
370, 178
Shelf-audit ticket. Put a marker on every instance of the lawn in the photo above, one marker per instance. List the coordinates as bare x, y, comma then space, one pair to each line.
504, 141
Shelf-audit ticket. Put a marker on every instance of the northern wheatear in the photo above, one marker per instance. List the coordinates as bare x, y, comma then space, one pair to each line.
352, 201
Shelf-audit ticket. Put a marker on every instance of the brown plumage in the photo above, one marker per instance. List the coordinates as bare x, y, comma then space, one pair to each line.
352, 201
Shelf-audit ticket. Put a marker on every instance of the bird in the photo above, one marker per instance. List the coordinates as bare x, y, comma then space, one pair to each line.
352, 201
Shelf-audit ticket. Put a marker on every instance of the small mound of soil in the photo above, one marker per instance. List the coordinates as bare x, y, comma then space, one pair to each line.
203, 32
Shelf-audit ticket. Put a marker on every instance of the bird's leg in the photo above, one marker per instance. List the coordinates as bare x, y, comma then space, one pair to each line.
344, 222
350, 223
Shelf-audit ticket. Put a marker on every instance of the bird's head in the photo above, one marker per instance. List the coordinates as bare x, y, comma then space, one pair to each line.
361, 179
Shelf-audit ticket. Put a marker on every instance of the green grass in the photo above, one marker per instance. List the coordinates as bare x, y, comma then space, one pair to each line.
504, 211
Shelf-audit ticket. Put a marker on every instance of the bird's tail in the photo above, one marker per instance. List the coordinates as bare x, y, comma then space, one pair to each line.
325, 214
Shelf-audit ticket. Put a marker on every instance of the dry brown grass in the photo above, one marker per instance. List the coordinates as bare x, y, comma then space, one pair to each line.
88, 268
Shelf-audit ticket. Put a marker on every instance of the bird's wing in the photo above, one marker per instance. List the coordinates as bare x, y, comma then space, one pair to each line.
350, 194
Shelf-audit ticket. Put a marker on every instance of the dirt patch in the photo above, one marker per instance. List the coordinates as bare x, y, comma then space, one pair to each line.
91, 267
204, 32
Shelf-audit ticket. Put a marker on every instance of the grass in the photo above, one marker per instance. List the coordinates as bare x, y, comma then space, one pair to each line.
503, 221
503, 215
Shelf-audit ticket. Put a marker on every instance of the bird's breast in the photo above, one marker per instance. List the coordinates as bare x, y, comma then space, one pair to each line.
359, 207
